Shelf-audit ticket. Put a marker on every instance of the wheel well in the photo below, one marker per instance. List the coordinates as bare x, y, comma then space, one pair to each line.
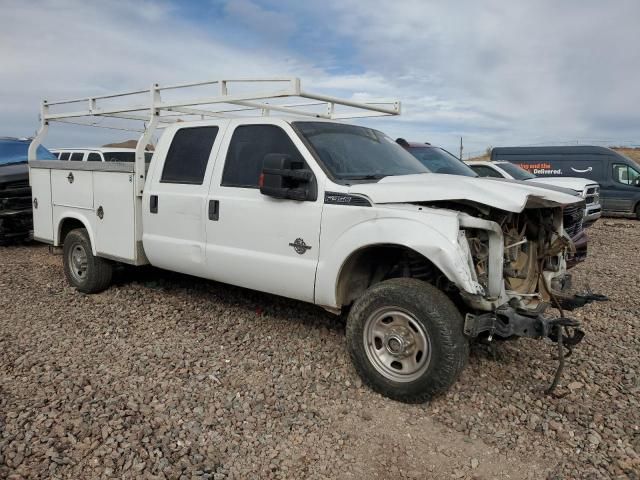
67, 225
373, 264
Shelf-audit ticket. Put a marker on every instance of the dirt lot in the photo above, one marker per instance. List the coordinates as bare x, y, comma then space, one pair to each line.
165, 376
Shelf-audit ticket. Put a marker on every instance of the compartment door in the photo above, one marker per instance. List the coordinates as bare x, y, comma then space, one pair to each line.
72, 188
114, 215
40, 179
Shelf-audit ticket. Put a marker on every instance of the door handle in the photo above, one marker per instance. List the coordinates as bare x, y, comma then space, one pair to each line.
153, 203
214, 210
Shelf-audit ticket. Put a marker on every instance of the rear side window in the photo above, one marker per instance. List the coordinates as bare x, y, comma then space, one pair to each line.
486, 171
94, 157
64, 155
76, 156
625, 174
248, 147
188, 155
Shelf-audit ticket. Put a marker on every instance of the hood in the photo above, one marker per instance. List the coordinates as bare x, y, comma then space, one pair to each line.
574, 183
14, 172
433, 187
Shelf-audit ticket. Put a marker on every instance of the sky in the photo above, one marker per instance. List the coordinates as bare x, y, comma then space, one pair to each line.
496, 73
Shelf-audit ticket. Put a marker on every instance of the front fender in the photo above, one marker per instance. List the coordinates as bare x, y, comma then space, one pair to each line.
439, 245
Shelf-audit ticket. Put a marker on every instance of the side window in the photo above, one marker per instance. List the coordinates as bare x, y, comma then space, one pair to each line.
94, 157
248, 147
625, 174
485, 171
64, 155
76, 156
188, 155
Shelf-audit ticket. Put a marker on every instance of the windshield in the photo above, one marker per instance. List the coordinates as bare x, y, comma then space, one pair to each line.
439, 160
15, 151
516, 172
124, 156
350, 152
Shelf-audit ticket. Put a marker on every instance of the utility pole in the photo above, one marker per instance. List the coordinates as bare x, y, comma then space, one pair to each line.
460, 148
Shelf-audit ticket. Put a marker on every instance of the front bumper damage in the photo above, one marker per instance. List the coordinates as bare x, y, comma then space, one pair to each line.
509, 322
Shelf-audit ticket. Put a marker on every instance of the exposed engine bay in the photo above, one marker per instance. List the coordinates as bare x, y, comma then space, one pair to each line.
535, 246
534, 249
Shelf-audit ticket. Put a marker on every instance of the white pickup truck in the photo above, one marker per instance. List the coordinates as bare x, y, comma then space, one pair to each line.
587, 189
316, 210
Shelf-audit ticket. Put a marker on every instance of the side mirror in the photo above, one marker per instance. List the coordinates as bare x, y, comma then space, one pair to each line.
282, 177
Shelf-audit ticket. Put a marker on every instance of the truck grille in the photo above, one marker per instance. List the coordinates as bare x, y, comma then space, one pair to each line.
572, 219
592, 194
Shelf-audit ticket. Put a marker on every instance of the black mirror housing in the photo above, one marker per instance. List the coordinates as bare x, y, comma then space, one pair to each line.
282, 177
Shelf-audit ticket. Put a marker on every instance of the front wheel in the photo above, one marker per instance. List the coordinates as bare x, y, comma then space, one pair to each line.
638, 211
406, 340
85, 271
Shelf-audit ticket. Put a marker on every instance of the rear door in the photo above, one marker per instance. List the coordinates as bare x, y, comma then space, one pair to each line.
253, 240
174, 200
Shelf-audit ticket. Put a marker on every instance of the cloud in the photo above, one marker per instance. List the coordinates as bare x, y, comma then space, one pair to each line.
529, 69
496, 73
89, 48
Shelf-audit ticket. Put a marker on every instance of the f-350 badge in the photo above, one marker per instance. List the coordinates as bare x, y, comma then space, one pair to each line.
299, 246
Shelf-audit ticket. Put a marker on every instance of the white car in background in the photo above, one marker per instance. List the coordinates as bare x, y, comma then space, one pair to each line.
102, 154
587, 189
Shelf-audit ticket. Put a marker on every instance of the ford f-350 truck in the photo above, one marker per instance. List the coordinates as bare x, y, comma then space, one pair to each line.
314, 209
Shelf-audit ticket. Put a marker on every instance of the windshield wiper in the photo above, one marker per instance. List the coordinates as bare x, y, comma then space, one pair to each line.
373, 176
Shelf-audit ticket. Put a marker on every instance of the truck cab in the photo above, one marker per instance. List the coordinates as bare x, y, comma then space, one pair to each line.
328, 213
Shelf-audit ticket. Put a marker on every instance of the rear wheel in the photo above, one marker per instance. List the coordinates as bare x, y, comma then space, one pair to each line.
406, 340
86, 272
638, 211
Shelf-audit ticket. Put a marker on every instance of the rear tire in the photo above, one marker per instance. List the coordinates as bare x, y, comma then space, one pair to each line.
85, 271
638, 211
406, 340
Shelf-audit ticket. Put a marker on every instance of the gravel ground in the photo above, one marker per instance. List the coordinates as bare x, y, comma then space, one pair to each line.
167, 376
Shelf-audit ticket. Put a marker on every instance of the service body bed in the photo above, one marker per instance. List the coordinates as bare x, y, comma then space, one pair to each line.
100, 195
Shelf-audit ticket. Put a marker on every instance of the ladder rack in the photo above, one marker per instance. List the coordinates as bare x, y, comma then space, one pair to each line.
222, 102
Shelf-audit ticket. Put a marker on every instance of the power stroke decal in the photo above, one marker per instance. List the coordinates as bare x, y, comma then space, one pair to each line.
333, 198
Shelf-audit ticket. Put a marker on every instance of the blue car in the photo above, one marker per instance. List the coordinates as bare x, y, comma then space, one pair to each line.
16, 218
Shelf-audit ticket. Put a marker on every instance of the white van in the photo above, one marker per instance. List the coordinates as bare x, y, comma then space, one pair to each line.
103, 154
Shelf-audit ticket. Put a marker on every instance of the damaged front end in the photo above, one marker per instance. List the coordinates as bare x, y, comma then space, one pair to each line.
520, 260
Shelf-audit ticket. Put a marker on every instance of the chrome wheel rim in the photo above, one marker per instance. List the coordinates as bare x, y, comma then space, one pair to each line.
396, 344
77, 260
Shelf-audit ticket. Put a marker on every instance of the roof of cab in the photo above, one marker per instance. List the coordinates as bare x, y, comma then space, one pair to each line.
548, 150
98, 149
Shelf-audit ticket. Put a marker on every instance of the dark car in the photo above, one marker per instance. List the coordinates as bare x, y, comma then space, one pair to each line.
618, 176
16, 217
438, 160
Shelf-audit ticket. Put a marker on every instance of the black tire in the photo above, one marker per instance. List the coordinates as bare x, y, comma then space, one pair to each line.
431, 313
94, 274
638, 211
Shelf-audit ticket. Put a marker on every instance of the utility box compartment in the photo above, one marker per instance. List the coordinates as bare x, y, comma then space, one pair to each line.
113, 200
40, 180
72, 188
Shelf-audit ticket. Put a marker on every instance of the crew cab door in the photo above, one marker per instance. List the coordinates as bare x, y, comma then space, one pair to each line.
174, 201
254, 240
